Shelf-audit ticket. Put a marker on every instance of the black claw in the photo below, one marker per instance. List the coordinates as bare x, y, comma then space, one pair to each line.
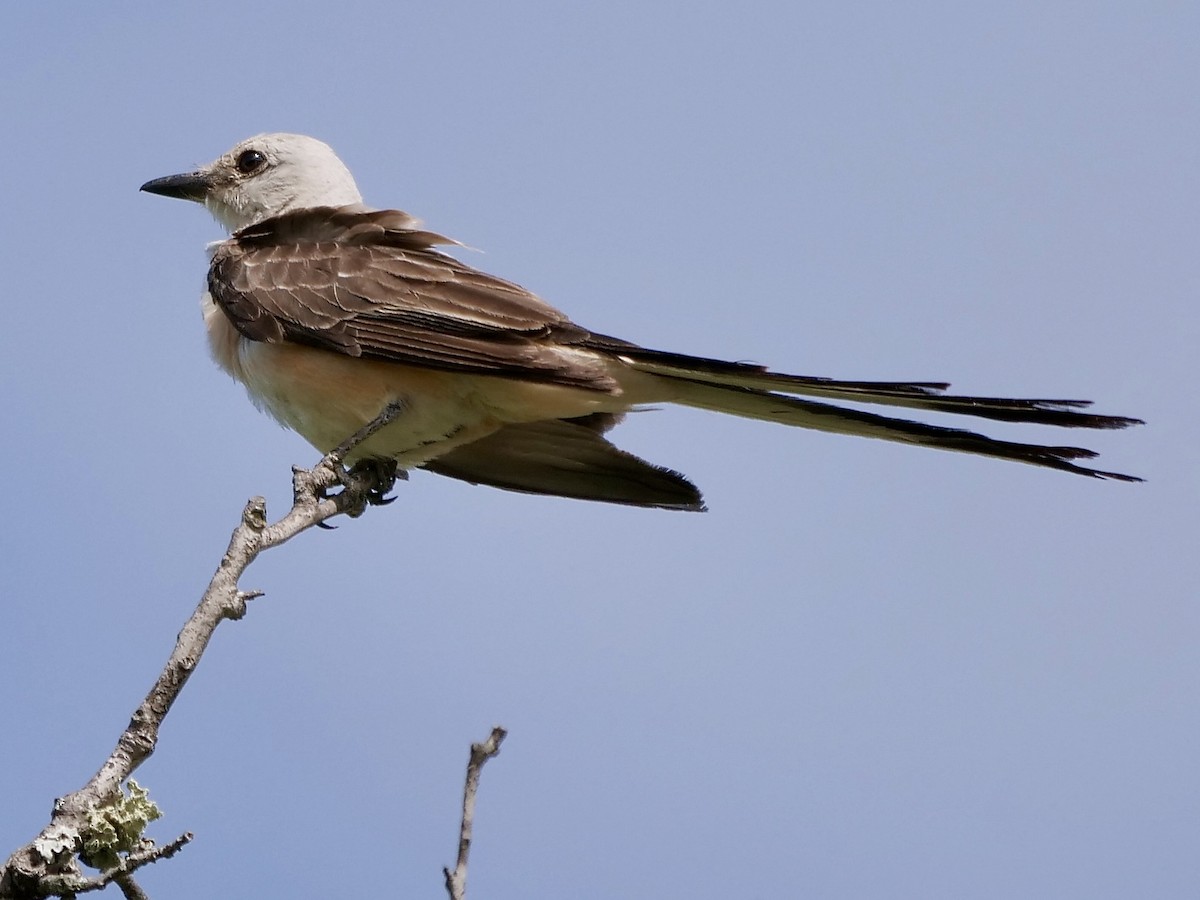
383, 474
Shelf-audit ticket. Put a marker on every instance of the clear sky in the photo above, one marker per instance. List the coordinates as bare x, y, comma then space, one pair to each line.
869, 671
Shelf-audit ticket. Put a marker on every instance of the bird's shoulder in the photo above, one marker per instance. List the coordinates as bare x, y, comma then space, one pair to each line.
348, 226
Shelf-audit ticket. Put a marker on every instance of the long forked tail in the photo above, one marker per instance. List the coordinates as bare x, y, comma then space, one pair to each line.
752, 392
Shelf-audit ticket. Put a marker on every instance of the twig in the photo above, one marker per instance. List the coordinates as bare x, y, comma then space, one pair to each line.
120, 874
456, 881
47, 865
130, 889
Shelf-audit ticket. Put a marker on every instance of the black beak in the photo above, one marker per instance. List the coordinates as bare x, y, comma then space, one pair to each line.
192, 186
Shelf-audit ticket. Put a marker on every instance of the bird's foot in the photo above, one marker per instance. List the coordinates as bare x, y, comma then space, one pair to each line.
379, 476
365, 483
368, 482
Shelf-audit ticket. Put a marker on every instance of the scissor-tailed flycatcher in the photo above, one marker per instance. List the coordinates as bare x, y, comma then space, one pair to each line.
328, 311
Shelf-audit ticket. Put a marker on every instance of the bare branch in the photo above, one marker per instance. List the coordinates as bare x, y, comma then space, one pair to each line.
130, 888
456, 881
47, 866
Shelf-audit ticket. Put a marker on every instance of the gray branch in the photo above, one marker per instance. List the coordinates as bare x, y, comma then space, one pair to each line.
456, 881
120, 874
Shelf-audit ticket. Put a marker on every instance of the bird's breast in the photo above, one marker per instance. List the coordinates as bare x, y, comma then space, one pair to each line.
326, 397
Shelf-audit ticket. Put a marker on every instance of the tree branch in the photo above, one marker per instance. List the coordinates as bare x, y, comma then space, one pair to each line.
47, 865
456, 881
120, 874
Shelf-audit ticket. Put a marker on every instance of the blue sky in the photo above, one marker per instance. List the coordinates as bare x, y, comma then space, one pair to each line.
868, 671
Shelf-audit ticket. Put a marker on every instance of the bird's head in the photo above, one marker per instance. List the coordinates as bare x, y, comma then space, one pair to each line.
264, 176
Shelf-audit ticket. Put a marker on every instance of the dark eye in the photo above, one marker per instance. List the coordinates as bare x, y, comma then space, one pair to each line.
250, 161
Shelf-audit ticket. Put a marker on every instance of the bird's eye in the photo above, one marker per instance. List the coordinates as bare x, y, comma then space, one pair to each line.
250, 161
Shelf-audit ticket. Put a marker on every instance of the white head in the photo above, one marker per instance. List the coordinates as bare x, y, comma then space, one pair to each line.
265, 176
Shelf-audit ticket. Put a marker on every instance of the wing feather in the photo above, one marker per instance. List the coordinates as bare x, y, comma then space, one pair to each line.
367, 284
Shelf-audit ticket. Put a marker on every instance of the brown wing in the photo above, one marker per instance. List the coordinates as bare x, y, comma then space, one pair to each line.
567, 458
371, 284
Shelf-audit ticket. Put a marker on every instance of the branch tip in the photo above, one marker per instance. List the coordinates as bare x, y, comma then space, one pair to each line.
456, 881
254, 516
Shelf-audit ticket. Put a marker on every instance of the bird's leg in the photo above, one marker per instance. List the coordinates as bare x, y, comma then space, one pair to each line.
371, 477
386, 417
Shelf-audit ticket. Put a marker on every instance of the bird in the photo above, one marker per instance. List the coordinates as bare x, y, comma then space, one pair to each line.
329, 311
